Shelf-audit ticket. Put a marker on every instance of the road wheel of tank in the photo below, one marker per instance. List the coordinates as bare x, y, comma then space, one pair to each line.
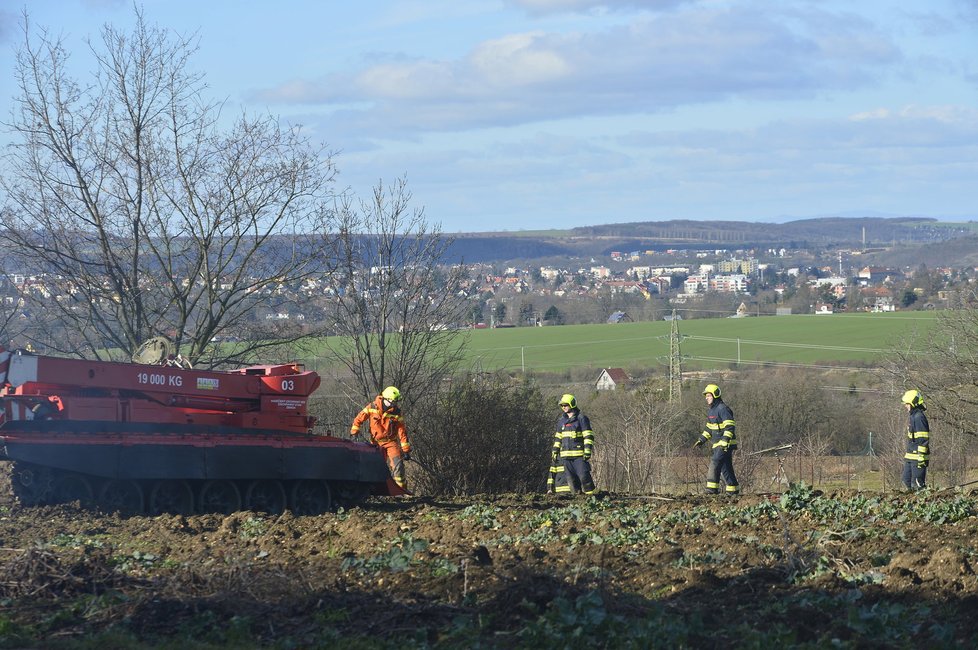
310, 498
349, 494
171, 496
265, 496
31, 484
70, 487
219, 497
121, 495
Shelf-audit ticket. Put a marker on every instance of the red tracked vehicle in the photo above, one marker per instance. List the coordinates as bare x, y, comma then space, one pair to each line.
162, 438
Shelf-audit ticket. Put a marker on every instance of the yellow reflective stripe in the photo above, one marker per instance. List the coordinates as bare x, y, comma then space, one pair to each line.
563, 488
720, 443
921, 434
571, 453
727, 423
570, 434
707, 435
733, 488
712, 484
710, 425
911, 456
728, 434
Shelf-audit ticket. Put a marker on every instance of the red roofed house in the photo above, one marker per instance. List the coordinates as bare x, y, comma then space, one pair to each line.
611, 379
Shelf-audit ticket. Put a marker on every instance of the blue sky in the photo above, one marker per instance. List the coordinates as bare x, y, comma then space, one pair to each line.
525, 114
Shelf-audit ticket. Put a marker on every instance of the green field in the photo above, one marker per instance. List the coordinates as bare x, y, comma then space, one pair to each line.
808, 340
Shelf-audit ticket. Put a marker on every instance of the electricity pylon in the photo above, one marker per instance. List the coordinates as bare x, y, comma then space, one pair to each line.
675, 361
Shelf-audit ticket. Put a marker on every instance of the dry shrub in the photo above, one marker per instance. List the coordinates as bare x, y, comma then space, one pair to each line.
635, 432
482, 434
41, 573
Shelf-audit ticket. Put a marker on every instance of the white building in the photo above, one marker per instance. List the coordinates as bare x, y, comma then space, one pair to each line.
733, 283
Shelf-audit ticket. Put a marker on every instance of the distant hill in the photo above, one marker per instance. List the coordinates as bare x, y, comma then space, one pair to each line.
820, 233
960, 252
473, 249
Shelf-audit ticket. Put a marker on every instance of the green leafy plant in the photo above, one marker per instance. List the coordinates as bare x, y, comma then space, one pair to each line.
252, 528
398, 557
484, 515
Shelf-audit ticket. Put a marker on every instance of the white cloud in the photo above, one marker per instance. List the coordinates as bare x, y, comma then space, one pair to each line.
643, 66
875, 114
541, 7
517, 61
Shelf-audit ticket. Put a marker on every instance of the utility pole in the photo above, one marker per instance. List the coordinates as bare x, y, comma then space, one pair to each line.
675, 360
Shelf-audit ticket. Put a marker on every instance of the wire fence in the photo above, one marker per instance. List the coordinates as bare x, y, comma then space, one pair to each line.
772, 473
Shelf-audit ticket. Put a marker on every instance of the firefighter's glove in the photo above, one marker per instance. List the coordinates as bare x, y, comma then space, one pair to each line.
698, 443
406, 456
554, 457
921, 464
587, 455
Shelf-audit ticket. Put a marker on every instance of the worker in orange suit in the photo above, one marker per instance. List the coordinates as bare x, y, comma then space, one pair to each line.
387, 430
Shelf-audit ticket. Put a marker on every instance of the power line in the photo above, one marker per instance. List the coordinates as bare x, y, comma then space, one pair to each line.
809, 346
776, 364
557, 345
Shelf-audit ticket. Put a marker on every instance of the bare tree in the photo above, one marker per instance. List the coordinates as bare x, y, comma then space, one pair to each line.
778, 407
637, 435
142, 215
398, 308
943, 365
12, 316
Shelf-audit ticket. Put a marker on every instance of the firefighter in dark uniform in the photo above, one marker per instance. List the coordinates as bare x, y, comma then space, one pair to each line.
918, 442
570, 470
720, 431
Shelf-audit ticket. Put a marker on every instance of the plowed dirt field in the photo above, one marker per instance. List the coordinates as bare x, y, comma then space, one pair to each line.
801, 569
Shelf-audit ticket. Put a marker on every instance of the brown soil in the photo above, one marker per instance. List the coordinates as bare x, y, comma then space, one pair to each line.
501, 563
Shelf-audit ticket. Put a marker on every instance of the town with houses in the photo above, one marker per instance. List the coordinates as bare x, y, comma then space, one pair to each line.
640, 285
734, 279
